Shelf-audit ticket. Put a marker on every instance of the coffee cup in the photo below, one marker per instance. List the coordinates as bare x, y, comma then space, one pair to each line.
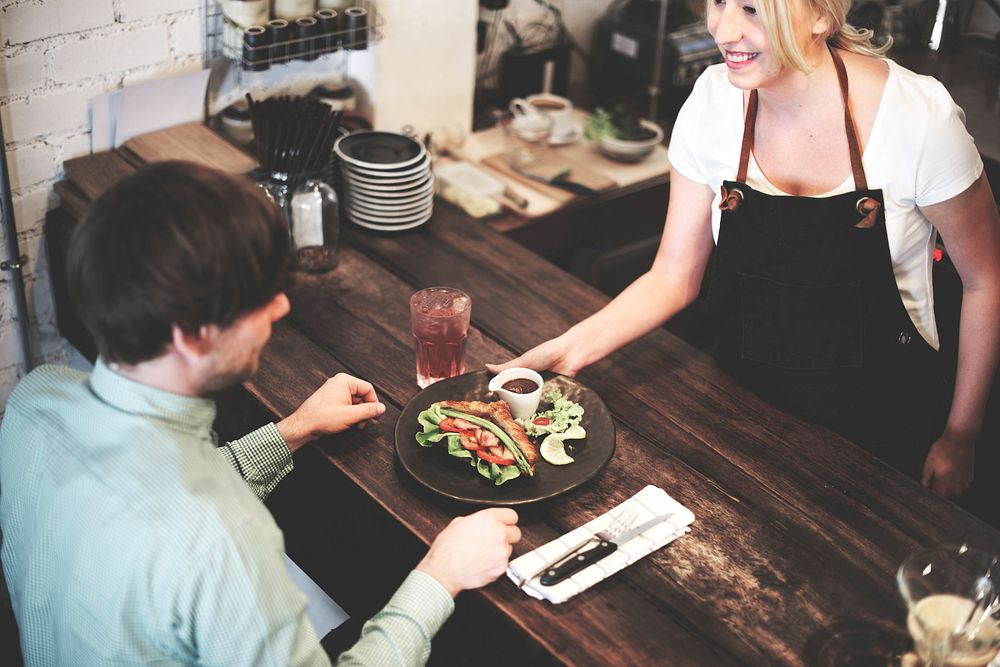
558, 109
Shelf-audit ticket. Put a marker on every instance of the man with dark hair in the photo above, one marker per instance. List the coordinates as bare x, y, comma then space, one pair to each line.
129, 537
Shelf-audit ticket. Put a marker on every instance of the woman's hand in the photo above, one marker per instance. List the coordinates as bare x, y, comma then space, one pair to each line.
949, 466
341, 402
552, 355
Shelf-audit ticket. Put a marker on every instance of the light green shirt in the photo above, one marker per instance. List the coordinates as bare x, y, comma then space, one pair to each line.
128, 539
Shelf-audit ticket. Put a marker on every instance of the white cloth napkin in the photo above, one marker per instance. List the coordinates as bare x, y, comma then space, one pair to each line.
652, 501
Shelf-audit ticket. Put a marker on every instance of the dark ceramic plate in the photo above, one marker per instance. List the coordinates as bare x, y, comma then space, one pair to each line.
455, 478
379, 150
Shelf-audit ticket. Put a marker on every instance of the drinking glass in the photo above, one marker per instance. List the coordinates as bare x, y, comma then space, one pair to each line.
954, 614
440, 317
527, 137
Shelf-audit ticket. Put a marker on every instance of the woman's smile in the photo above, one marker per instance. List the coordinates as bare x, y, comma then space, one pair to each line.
739, 59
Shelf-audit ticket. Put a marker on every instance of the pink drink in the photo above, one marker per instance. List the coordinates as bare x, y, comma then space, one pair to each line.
440, 318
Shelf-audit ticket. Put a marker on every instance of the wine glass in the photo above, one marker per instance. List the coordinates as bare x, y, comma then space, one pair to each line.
954, 612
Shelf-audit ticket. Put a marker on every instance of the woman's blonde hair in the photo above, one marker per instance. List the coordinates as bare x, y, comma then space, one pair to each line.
777, 18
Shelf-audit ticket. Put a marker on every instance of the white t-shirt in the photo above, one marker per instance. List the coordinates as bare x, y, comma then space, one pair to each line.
919, 153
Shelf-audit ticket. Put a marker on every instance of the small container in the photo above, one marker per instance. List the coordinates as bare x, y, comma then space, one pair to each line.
280, 35
314, 226
235, 124
328, 37
290, 10
304, 46
522, 405
240, 15
468, 179
355, 27
342, 98
256, 48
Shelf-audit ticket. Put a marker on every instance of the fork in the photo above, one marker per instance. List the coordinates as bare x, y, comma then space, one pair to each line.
621, 523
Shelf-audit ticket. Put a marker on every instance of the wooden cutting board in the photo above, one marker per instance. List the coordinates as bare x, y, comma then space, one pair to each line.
549, 167
193, 142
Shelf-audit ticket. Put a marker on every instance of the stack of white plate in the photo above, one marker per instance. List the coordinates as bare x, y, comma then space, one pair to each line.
387, 180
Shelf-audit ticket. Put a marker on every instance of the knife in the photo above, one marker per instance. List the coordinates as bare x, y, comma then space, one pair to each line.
575, 561
560, 180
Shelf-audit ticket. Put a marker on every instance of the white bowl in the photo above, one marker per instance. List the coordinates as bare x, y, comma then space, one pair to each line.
631, 151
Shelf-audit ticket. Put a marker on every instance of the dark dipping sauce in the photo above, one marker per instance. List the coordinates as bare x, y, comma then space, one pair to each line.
520, 386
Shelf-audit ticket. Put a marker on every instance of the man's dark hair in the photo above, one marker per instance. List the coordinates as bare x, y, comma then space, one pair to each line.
174, 243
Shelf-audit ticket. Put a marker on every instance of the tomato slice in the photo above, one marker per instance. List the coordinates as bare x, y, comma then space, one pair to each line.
542, 421
448, 424
498, 455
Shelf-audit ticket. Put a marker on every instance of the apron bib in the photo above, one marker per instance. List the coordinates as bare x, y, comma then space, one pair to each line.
809, 315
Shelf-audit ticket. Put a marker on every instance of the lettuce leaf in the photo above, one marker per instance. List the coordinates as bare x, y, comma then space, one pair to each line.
563, 415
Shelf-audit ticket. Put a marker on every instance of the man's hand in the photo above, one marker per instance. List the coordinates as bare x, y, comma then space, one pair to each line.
949, 466
340, 403
473, 550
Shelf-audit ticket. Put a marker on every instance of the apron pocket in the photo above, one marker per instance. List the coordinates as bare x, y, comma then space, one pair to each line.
801, 327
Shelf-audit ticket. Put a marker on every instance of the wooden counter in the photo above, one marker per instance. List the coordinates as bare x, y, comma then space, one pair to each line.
798, 535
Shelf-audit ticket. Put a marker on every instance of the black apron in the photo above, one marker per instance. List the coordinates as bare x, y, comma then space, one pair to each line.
810, 317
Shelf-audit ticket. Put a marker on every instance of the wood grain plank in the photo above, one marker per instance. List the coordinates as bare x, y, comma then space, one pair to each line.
72, 199
760, 550
193, 142
93, 174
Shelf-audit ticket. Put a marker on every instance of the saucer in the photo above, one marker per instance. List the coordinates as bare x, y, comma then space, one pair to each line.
567, 138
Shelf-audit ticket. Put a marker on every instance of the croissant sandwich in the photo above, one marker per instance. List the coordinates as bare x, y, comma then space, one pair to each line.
485, 434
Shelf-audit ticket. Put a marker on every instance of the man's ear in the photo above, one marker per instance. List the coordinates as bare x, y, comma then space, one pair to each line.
192, 346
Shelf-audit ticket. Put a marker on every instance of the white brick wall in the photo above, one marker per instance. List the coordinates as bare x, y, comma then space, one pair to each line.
23, 72
30, 22
55, 56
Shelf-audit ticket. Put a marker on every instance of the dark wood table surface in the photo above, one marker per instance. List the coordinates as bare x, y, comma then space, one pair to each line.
793, 555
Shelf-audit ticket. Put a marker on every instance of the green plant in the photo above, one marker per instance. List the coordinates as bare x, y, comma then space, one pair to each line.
617, 124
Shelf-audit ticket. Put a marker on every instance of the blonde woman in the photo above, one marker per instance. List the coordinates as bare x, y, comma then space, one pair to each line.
822, 174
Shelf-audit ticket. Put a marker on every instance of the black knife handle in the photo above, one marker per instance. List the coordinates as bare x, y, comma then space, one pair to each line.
574, 187
576, 562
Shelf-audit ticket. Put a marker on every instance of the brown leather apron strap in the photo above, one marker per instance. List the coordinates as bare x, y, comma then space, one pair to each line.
748, 130
854, 145
860, 182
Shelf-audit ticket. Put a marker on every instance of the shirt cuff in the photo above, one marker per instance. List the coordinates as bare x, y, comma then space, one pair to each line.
422, 596
262, 458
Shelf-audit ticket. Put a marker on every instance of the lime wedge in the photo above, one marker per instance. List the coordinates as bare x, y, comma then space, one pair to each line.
552, 450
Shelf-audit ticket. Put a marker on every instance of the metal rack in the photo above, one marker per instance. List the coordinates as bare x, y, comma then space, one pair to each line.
227, 39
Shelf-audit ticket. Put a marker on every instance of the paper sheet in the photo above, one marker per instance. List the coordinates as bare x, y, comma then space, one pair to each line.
155, 105
323, 612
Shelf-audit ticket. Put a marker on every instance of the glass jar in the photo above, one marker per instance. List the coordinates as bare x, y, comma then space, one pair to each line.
315, 225
311, 211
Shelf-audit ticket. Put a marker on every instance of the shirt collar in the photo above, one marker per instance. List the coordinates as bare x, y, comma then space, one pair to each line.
118, 391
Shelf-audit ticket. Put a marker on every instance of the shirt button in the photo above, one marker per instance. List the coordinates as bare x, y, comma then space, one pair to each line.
904, 338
